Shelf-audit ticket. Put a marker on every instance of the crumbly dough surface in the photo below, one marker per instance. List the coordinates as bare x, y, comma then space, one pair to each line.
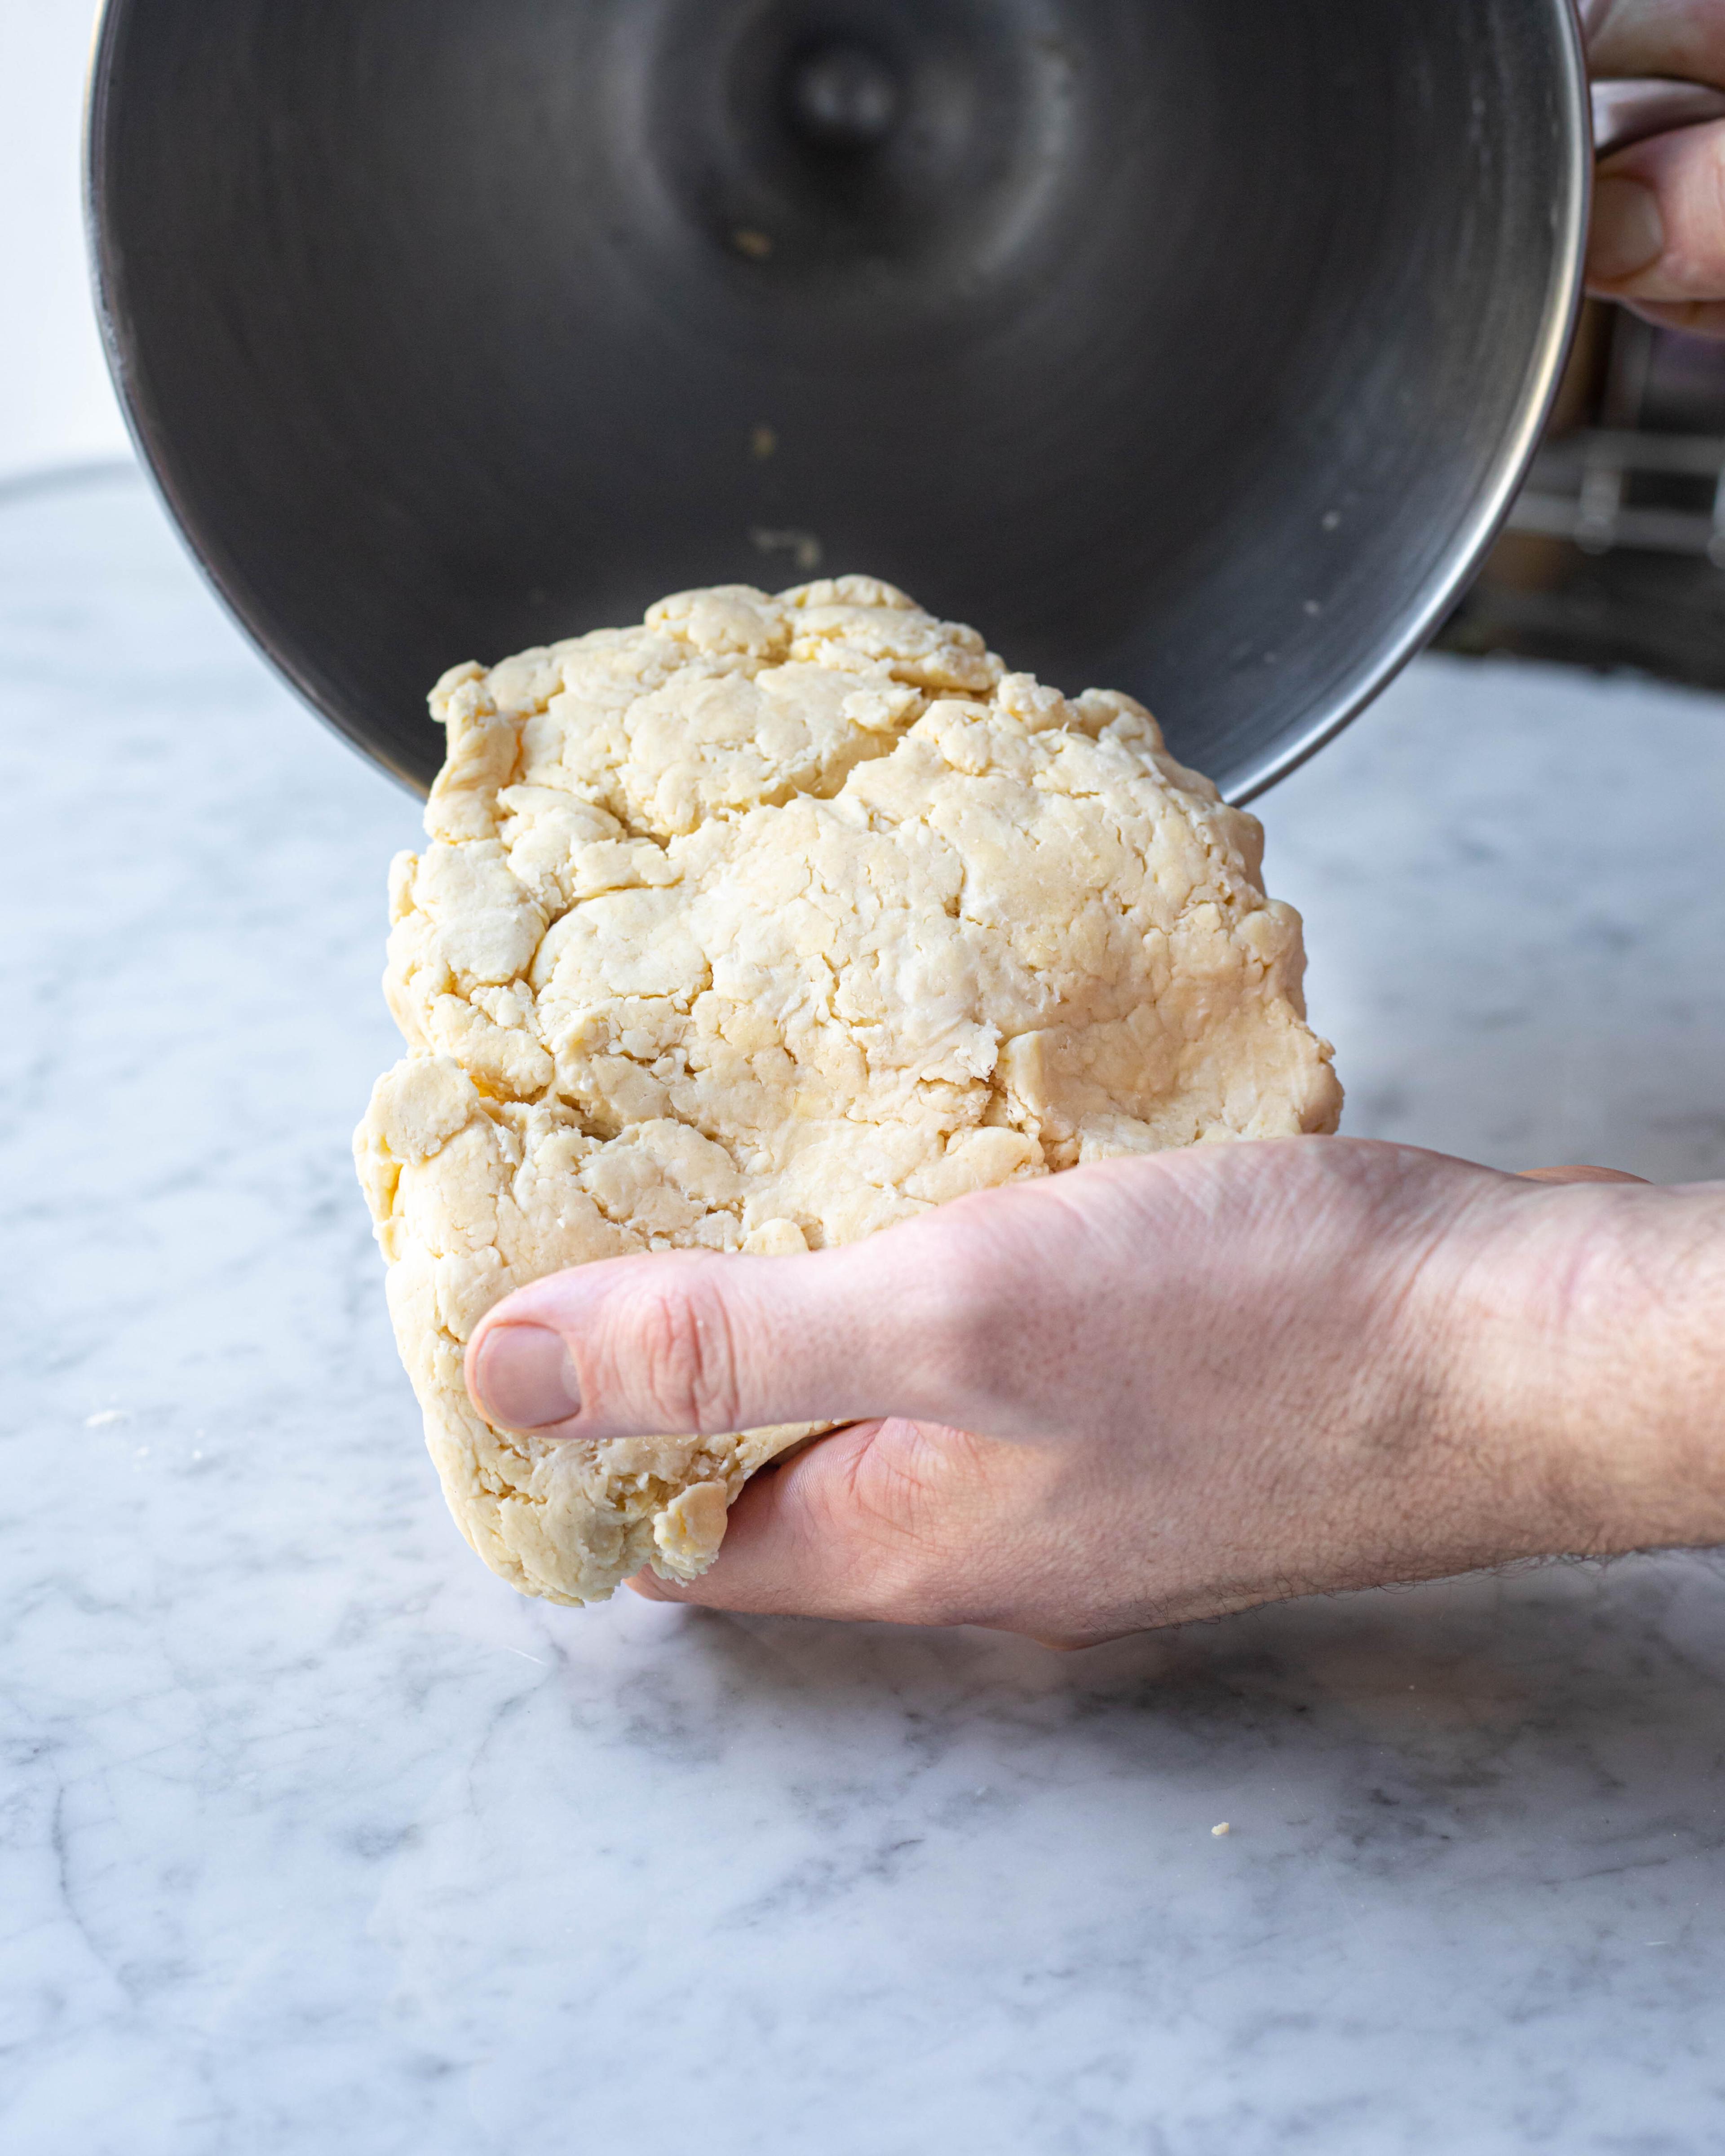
760, 927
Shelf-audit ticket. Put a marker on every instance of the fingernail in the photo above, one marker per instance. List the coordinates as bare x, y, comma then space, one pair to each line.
524, 1378
1628, 233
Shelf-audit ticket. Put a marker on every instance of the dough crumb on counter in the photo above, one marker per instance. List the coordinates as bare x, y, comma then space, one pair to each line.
758, 928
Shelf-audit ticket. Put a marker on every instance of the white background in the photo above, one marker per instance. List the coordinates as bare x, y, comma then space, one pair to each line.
56, 405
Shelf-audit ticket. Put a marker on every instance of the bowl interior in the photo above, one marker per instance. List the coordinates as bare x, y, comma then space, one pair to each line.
1189, 347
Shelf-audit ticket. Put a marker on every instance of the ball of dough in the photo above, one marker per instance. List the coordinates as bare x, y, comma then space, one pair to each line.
760, 927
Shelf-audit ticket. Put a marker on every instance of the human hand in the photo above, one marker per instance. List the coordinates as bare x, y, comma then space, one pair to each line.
1658, 238
1168, 1387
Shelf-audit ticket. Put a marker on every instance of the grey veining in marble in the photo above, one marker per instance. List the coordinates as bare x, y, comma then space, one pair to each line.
317, 1838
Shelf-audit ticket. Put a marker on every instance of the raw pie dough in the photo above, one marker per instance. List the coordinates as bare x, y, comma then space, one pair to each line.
760, 927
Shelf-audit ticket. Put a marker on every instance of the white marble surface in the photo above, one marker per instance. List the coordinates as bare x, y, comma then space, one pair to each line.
318, 1838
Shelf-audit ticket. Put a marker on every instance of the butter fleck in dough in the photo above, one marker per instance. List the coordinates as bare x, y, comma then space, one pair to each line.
760, 927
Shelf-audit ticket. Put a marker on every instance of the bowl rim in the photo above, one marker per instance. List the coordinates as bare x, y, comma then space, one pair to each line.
1496, 494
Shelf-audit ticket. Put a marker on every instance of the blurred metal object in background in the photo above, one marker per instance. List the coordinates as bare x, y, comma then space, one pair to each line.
1194, 346
1616, 551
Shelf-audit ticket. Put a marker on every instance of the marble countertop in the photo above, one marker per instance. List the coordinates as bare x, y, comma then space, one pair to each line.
318, 1838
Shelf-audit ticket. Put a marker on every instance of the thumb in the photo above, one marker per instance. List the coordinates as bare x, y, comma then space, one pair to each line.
1657, 234
688, 1342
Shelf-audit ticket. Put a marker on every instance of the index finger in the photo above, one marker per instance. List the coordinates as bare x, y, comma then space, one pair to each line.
1684, 38
904, 1522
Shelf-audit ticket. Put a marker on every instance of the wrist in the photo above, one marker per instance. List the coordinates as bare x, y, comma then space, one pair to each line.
1581, 1351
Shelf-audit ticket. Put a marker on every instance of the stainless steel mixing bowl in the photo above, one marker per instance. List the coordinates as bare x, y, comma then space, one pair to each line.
1190, 346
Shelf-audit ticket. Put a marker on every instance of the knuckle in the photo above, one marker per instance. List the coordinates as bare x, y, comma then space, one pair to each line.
681, 1342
